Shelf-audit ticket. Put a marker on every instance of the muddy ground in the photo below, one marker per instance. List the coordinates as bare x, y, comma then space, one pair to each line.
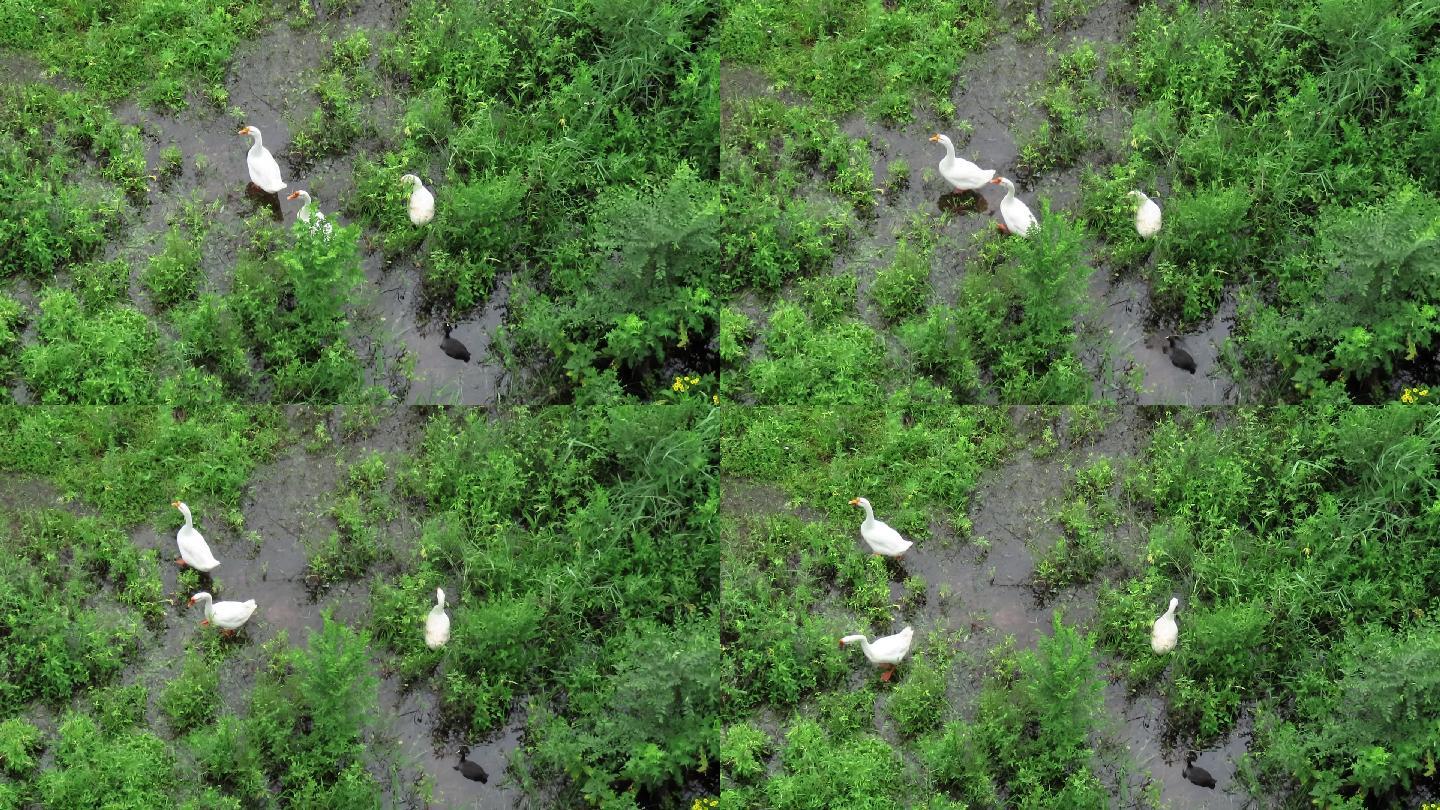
269, 82
982, 593
994, 94
284, 511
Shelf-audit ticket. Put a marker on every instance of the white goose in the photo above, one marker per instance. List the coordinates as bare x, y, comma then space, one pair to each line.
1165, 634
886, 651
881, 539
264, 171
959, 172
1147, 215
194, 552
310, 211
1015, 214
228, 616
437, 624
422, 202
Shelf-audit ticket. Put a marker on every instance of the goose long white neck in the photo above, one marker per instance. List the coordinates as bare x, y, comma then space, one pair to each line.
869, 513
439, 599
189, 521
949, 147
1174, 603
1009, 190
257, 143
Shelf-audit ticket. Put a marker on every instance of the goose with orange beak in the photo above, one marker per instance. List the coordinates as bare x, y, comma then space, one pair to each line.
885, 652
309, 211
1015, 216
228, 616
882, 540
959, 172
264, 171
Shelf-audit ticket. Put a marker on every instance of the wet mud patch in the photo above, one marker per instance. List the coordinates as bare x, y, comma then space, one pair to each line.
986, 585
286, 512
981, 594
996, 111
1149, 763
1130, 350
411, 346
413, 756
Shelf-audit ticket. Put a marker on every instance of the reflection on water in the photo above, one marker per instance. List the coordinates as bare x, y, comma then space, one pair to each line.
960, 203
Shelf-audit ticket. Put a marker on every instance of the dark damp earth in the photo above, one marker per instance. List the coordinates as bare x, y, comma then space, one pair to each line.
397, 330
982, 594
285, 515
1120, 335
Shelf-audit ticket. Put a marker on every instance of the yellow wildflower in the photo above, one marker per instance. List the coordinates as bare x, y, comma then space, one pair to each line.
1410, 396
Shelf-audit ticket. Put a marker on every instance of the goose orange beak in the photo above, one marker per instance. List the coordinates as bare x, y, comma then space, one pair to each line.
293, 195
935, 138
175, 504
244, 131
854, 501
997, 180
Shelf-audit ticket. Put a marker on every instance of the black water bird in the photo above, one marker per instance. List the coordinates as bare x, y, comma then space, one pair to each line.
1178, 355
469, 769
454, 348
1196, 774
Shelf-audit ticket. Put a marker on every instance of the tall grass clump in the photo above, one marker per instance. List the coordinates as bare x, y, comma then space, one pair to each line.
577, 549
66, 168
573, 150
1299, 543
1280, 127
1012, 326
294, 307
866, 56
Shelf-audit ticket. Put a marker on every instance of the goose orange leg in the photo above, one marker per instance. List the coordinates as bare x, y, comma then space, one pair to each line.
889, 671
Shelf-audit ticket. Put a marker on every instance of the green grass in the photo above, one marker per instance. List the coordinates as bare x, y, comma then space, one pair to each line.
572, 544
1275, 125
574, 149
66, 168
866, 56
158, 51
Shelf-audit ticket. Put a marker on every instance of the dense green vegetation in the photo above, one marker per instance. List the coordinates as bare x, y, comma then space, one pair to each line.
1297, 539
1289, 145
577, 548
580, 549
1314, 127
573, 150
1302, 542
573, 145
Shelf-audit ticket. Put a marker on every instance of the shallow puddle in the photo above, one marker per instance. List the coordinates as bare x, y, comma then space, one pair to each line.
1139, 726
1134, 345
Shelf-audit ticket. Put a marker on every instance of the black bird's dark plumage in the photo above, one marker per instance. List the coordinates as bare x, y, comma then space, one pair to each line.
454, 348
470, 770
1179, 356
1197, 774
